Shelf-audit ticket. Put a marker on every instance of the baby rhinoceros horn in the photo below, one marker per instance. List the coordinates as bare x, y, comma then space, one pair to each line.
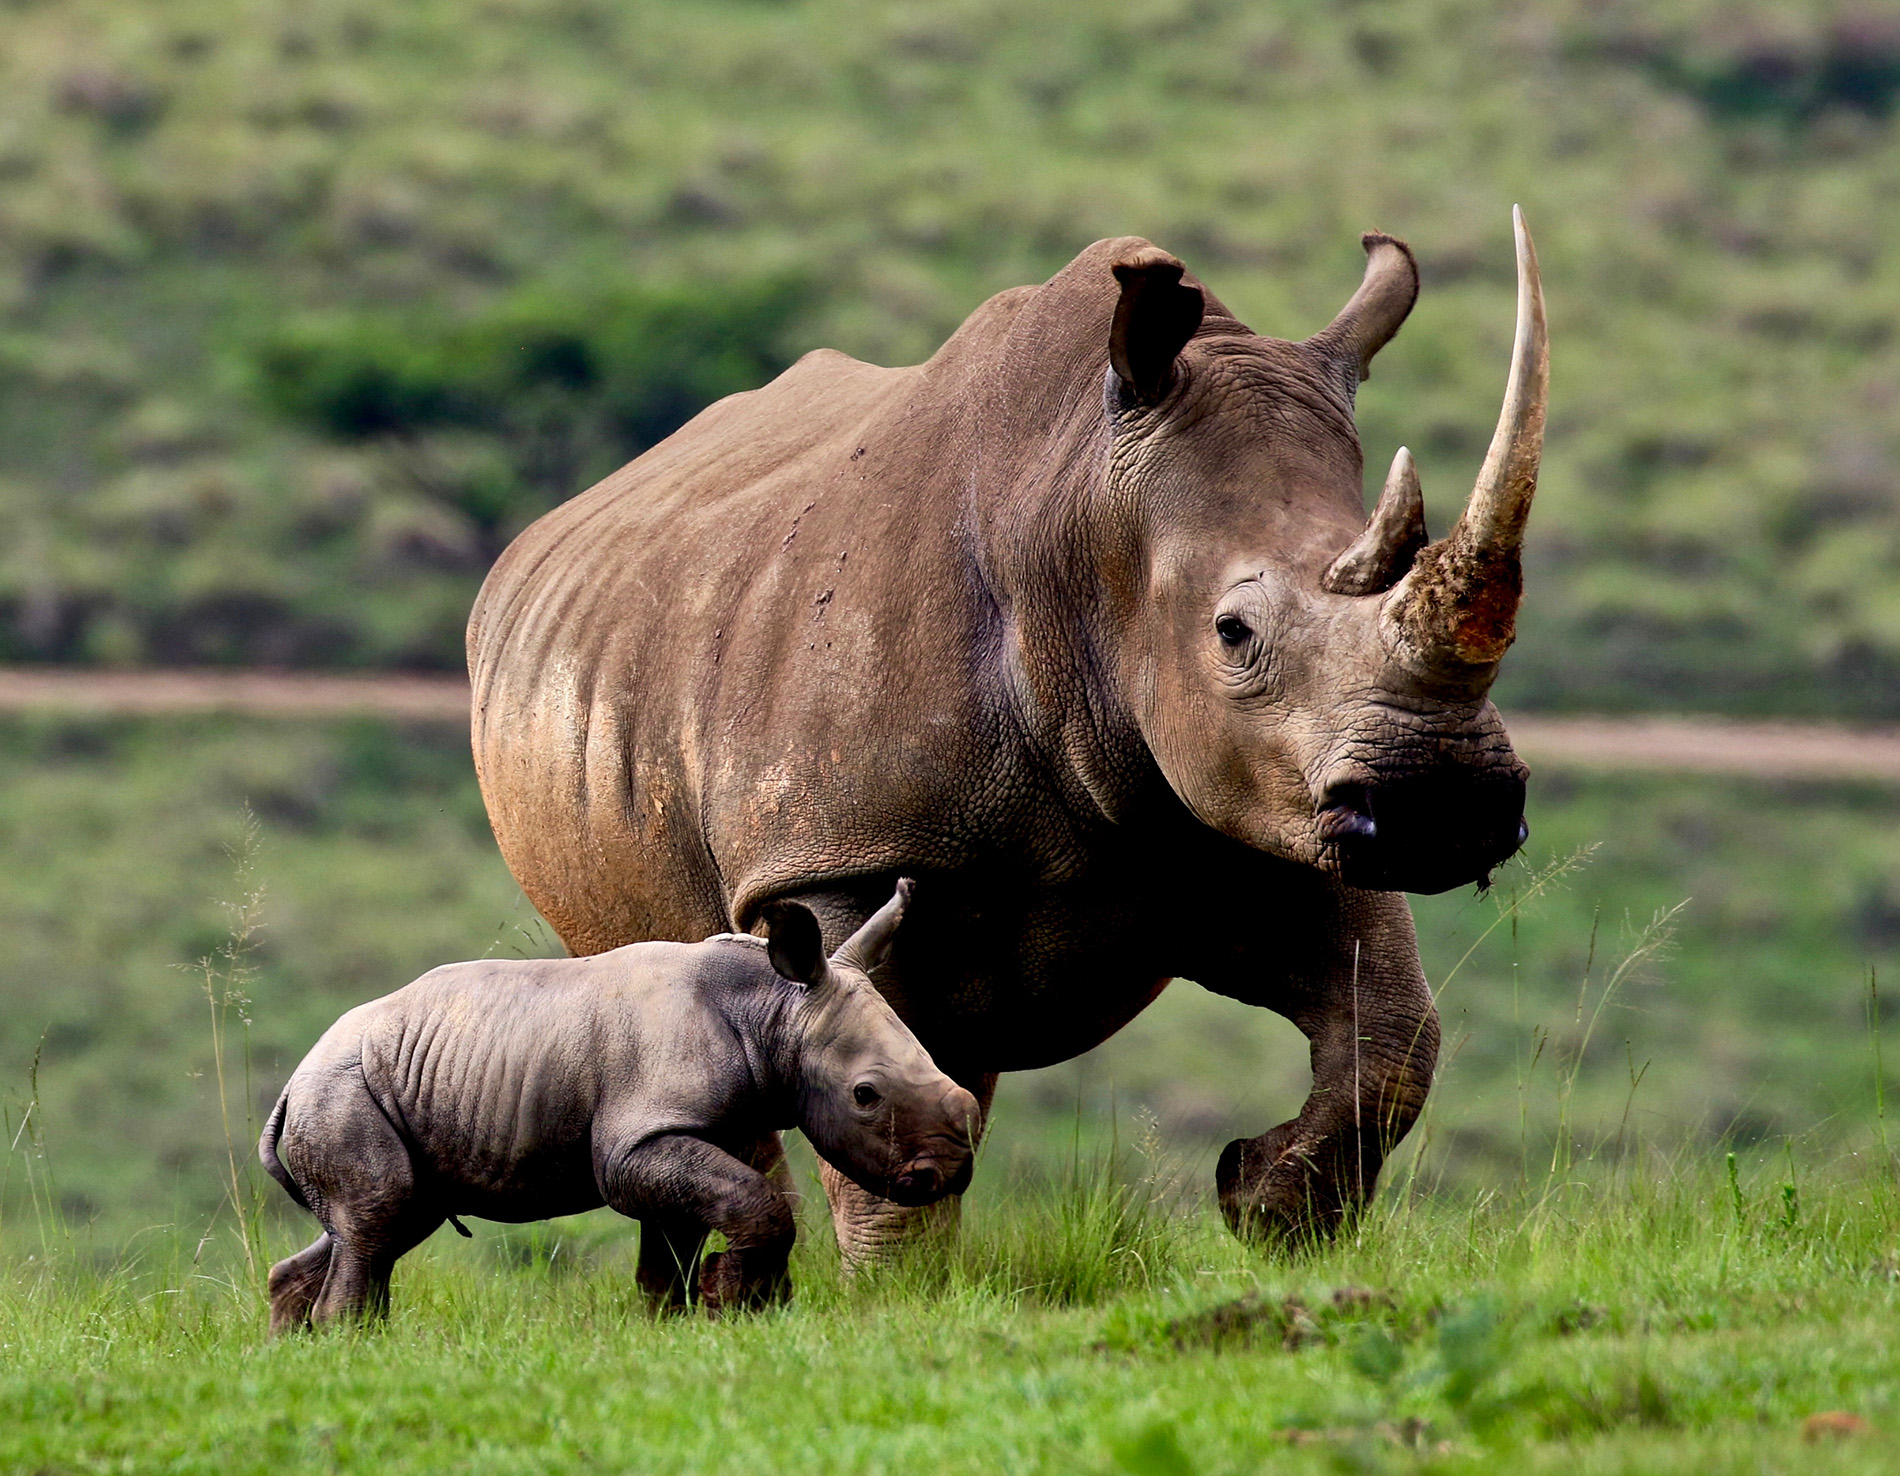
870, 946
873, 1103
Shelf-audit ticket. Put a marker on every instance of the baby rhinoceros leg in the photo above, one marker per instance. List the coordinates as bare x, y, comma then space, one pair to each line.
295, 1284
357, 1177
669, 1262
670, 1245
686, 1187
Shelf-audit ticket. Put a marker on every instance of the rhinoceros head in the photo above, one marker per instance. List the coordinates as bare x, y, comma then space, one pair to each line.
1309, 681
871, 1100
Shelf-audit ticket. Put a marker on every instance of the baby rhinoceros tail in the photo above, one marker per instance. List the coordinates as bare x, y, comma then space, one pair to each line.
267, 1150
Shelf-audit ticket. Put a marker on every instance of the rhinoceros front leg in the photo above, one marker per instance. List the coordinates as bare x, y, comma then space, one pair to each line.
670, 1244
1361, 999
689, 1187
873, 1230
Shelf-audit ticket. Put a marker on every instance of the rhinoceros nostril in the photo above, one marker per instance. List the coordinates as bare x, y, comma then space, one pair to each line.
1436, 828
1339, 823
920, 1180
1346, 814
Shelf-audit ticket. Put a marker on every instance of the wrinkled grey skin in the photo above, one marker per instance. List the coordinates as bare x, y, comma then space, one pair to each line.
1084, 621
654, 1079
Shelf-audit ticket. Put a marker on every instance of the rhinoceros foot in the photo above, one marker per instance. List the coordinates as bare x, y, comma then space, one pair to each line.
295, 1285
1283, 1188
745, 1280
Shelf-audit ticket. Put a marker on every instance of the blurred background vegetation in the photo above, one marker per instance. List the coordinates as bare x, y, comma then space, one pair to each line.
306, 308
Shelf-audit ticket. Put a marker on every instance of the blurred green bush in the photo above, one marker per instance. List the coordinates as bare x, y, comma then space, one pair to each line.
550, 391
479, 250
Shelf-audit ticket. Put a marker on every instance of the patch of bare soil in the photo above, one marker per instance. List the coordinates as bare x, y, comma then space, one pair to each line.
1777, 750
1241, 1321
288, 694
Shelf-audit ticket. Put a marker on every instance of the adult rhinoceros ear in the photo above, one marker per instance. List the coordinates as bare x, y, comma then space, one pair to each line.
1366, 324
1155, 318
867, 948
793, 943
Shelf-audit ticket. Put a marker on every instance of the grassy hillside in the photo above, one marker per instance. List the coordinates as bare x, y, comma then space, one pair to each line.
374, 862
304, 308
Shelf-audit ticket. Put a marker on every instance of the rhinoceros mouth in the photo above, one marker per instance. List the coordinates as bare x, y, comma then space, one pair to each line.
1426, 833
926, 1179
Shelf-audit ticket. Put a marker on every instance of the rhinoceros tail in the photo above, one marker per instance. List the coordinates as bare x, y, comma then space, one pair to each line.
267, 1150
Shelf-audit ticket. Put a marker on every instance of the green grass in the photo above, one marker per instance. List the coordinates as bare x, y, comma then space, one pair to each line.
376, 863
1627, 1319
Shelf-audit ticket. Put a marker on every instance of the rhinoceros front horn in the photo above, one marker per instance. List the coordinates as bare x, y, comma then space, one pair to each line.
1453, 616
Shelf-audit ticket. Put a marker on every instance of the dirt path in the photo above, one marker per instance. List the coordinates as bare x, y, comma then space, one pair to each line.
1776, 750
1760, 750
257, 693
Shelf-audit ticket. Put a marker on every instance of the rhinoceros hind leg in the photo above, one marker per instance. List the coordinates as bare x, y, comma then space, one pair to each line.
357, 1286
873, 1231
356, 1174
295, 1284
352, 1291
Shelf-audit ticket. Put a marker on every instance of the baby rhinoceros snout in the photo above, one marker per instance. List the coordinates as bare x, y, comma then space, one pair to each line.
941, 1152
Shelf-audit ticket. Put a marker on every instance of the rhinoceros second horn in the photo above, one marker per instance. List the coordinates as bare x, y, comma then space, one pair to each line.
1380, 556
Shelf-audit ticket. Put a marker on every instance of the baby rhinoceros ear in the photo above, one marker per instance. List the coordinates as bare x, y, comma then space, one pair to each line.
793, 942
867, 948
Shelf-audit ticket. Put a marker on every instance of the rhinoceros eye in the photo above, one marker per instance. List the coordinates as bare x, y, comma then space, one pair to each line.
1232, 630
864, 1094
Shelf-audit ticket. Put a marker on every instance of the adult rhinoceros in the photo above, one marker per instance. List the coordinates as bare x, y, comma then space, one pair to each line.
1082, 624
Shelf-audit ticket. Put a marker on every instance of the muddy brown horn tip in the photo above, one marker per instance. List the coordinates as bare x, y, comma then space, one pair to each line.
1458, 607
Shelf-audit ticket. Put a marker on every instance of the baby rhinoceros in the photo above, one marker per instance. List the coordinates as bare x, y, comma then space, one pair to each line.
653, 1079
